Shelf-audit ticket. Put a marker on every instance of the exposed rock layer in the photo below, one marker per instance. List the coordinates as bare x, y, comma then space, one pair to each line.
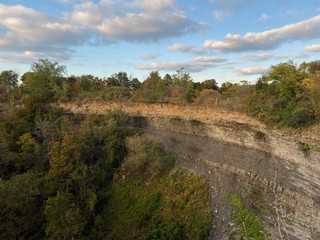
237, 154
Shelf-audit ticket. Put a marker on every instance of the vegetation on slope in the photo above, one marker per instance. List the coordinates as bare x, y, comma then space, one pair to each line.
286, 95
149, 200
248, 226
57, 171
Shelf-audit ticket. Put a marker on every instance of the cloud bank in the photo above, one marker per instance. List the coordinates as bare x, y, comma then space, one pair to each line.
197, 64
23, 29
307, 29
252, 71
313, 48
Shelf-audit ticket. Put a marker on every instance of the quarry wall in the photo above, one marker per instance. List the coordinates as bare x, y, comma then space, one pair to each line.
278, 180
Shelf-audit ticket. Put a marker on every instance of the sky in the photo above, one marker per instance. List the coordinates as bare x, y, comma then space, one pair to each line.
226, 40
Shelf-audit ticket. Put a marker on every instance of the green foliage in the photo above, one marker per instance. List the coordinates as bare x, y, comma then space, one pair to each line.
281, 97
307, 147
60, 175
182, 89
8, 82
146, 156
248, 225
173, 206
304, 146
21, 198
153, 89
235, 95
65, 220
116, 93
209, 84
44, 80
118, 79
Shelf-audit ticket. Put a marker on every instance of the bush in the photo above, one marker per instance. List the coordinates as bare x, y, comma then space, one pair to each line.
298, 115
146, 156
173, 206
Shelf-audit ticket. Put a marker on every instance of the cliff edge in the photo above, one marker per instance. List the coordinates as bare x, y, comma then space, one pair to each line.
269, 168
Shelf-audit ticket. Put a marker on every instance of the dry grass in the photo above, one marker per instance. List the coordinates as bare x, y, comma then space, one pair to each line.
206, 114
189, 112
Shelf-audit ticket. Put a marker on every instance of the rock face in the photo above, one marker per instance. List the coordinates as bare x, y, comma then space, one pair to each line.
279, 181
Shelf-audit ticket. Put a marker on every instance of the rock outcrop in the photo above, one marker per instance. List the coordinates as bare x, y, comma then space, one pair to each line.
279, 181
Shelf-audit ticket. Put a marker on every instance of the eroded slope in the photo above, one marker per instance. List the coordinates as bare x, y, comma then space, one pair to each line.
237, 154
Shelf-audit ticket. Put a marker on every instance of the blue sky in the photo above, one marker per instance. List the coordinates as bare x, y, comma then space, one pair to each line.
228, 40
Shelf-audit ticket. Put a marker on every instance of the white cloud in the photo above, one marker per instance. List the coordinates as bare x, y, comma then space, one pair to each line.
89, 13
282, 56
302, 55
149, 56
140, 20
155, 6
257, 57
31, 56
226, 9
313, 48
173, 66
70, 1
307, 29
252, 71
264, 17
25, 30
198, 64
186, 48
222, 15
146, 27
290, 12
209, 59
170, 66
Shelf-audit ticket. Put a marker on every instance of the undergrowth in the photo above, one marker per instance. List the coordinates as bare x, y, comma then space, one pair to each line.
248, 226
172, 204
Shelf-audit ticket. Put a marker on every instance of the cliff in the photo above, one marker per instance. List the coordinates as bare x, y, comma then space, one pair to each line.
237, 154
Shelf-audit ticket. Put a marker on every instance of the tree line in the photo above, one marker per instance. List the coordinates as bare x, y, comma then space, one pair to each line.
61, 174
288, 94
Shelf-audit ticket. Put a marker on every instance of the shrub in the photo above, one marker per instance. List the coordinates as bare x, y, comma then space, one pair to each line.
146, 156
248, 225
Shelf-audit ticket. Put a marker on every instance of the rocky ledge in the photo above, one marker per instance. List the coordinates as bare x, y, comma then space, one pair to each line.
278, 178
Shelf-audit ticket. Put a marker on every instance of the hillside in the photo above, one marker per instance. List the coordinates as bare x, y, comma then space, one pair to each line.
278, 176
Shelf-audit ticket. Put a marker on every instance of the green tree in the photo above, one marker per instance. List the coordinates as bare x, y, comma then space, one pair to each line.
182, 87
311, 84
154, 87
45, 79
135, 83
280, 97
118, 79
8, 81
21, 212
209, 84
65, 219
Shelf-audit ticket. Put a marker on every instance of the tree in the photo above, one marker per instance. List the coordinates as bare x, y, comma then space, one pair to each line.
65, 219
21, 212
209, 84
182, 87
8, 81
153, 89
281, 98
135, 83
287, 78
118, 79
45, 79
311, 84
